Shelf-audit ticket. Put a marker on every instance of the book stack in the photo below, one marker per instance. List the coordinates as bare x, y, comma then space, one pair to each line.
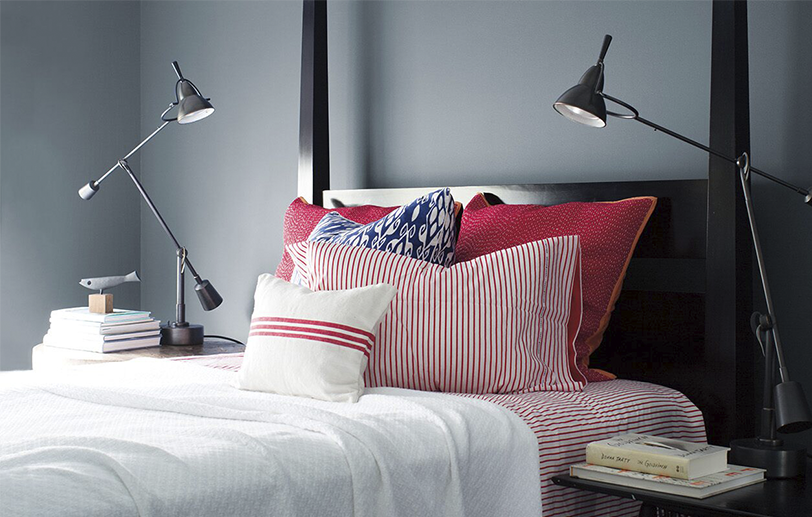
79, 329
659, 464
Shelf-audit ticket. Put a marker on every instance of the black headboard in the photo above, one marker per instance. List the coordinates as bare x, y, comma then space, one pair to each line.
682, 317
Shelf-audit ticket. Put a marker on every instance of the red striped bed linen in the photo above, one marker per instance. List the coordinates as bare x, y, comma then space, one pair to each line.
504, 322
564, 422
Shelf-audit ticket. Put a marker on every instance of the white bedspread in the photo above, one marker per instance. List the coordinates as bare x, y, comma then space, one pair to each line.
152, 437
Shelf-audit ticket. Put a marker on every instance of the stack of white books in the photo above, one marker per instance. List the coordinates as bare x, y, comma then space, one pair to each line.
79, 329
659, 464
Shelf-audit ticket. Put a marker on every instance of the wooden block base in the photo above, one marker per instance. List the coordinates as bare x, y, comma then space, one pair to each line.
100, 303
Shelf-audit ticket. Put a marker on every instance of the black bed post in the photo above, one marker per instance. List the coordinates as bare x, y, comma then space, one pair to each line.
729, 251
314, 129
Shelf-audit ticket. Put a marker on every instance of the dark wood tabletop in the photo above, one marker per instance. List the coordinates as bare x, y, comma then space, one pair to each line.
772, 498
210, 346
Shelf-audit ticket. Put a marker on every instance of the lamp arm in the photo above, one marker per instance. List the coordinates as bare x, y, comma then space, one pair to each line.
635, 116
167, 110
744, 174
743, 163
126, 166
135, 149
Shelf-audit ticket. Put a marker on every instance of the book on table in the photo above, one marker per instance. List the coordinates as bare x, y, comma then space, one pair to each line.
79, 329
658, 455
93, 328
57, 336
84, 314
93, 344
732, 477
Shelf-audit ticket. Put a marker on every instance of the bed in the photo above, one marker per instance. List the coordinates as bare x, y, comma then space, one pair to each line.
173, 437
185, 442
564, 422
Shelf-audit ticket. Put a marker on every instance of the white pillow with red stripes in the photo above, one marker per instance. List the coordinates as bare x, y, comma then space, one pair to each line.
311, 344
500, 323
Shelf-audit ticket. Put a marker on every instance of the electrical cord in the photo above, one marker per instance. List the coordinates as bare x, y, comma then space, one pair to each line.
215, 336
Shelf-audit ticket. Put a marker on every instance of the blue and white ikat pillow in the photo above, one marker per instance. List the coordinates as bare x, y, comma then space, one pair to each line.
424, 229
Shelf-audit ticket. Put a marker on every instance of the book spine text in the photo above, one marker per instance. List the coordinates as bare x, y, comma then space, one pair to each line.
638, 461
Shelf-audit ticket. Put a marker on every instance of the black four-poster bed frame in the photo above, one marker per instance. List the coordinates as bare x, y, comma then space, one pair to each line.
682, 319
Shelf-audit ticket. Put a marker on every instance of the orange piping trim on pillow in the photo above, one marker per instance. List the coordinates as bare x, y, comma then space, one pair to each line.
609, 376
594, 340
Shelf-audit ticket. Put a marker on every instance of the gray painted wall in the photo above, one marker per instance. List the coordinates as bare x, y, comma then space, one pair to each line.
461, 92
70, 107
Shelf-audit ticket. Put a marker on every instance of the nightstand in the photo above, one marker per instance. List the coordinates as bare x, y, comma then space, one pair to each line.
45, 357
772, 498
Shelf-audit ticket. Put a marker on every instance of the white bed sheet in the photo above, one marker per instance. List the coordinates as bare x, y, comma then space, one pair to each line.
565, 422
153, 437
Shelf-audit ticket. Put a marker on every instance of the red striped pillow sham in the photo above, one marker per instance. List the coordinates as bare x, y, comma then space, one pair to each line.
503, 322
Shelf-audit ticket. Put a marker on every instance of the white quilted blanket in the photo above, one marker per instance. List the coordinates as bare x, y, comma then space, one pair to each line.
155, 437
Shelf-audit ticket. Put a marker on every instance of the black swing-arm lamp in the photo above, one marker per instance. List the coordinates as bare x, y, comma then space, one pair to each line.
192, 106
785, 407
584, 103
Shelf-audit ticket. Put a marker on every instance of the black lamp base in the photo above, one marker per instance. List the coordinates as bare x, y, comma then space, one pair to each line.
785, 460
180, 335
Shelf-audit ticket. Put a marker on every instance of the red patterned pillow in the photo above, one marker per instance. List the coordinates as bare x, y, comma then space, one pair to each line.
503, 322
301, 217
609, 232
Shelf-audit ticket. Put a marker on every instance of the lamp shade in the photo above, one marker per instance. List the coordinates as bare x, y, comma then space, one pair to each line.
209, 297
193, 106
583, 103
792, 413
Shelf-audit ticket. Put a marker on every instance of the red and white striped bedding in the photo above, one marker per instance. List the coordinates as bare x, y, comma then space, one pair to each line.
501, 323
564, 422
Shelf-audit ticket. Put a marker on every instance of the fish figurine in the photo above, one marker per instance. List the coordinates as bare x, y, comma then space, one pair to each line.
108, 282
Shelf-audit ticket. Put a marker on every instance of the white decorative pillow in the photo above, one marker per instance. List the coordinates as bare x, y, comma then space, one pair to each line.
311, 344
500, 323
